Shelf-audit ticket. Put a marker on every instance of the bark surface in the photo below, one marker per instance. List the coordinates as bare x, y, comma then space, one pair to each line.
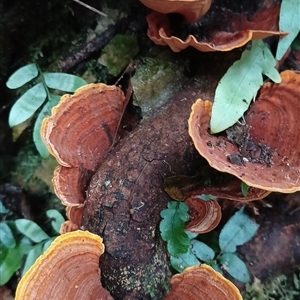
126, 195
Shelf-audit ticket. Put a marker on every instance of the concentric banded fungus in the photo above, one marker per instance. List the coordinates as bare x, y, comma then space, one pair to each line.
190, 9
69, 269
70, 183
232, 191
74, 215
79, 133
243, 31
274, 121
205, 215
202, 283
82, 126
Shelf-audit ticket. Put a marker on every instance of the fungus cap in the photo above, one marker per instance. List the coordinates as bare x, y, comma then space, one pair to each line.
202, 283
190, 9
204, 215
243, 31
232, 191
69, 269
82, 126
274, 120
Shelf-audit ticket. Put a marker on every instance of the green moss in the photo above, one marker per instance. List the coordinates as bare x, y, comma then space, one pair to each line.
154, 82
118, 53
280, 288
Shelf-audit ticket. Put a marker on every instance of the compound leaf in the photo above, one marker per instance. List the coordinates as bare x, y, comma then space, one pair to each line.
63, 82
172, 227
45, 111
27, 105
184, 260
235, 267
6, 236
289, 20
3, 209
33, 254
22, 76
240, 83
12, 262
31, 230
56, 219
237, 231
202, 251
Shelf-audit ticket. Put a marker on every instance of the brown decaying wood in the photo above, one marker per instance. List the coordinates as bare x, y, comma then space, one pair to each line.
274, 250
126, 195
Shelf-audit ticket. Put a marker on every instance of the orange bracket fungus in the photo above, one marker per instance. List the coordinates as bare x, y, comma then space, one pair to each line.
83, 125
262, 25
69, 269
79, 133
205, 215
202, 283
273, 138
190, 9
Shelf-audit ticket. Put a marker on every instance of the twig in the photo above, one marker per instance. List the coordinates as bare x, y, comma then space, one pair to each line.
91, 8
93, 46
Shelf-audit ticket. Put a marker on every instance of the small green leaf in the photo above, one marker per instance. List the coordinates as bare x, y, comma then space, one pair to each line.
3, 253
32, 256
289, 20
31, 230
12, 262
235, 267
184, 260
3, 209
216, 267
237, 231
240, 83
245, 188
64, 82
46, 111
56, 219
202, 251
172, 227
22, 76
6, 236
47, 244
27, 105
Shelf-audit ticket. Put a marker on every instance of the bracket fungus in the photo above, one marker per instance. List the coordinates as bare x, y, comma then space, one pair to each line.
205, 215
79, 133
82, 126
202, 283
273, 120
190, 9
69, 269
239, 30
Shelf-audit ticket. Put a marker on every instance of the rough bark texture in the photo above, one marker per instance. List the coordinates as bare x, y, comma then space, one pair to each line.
126, 196
275, 248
